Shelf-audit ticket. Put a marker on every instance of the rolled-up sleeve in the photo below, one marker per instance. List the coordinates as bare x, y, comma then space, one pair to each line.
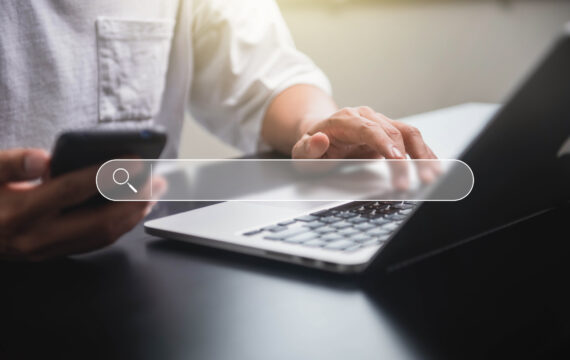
244, 56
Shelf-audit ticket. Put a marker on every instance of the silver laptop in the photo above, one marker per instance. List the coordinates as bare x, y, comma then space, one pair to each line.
519, 155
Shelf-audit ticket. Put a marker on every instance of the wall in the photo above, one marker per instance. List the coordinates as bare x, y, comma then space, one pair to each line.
405, 57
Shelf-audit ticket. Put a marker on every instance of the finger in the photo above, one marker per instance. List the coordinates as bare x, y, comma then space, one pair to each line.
398, 165
436, 164
389, 129
22, 164
415, 144
351, 128
90, 230
434, 156
61, 192
418, 149
363, 152
393, 152
159, 187
311, 146
399, 174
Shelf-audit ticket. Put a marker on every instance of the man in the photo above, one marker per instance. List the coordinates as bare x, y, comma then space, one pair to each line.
67, 64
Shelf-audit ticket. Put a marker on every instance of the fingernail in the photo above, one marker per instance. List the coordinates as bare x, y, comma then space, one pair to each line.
396, 153
34, 165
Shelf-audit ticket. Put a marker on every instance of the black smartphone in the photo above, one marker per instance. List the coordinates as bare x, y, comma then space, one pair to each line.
78, 149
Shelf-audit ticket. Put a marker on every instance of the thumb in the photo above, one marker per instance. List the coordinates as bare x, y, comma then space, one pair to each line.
22, 164
311, 146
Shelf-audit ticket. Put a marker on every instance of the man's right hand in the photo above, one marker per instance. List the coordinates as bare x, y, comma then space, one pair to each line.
32, 224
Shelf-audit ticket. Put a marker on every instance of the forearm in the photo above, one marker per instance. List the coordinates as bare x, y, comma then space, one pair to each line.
292, 113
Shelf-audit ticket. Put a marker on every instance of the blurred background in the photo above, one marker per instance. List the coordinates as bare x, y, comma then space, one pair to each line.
403, 57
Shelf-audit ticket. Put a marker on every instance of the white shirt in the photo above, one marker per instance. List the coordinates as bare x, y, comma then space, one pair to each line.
68, 64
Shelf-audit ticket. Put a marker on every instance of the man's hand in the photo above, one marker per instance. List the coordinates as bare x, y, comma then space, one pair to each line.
32, 224
362, 133
299, 122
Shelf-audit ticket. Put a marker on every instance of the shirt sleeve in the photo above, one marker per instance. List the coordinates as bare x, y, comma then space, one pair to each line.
244, 56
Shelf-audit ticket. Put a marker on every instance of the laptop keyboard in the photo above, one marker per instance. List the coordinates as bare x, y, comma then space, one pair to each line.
348, 227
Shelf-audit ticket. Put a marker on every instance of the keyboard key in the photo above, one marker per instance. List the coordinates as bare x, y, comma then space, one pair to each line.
373, 214
360, 237
390, 226
314, 224
315, 243
346, 214
306, 218
252, 232
382, 237
396, 217
399, 206
389, 211
364, 226
353, 248
377, 231
301, 237
339, 244
348, 231
287, 233
286, 222
357, 220
403, 206
380, 221
332, 237
405, 211
330, 219
275, 228
341, 225
325, 229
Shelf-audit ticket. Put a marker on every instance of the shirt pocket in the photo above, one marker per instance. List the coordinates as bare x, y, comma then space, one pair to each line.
132, 60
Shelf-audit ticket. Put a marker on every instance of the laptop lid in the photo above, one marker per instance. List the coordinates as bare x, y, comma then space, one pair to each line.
521, 164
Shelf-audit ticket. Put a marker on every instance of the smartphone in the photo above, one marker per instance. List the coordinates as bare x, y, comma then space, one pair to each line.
78, 149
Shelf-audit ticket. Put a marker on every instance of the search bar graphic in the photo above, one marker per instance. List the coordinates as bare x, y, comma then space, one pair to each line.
286, 179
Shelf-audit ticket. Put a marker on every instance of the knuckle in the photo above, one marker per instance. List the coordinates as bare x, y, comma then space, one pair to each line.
369, 126
368, 130
413, 132
335, 121
393, 132
366, 109
349, 112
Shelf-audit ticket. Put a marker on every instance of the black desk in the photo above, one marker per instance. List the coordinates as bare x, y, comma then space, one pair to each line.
146, 298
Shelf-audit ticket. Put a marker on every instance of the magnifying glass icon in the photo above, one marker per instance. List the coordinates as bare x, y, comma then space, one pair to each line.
121, 177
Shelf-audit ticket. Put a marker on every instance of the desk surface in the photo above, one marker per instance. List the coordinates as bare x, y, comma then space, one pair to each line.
147, 298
